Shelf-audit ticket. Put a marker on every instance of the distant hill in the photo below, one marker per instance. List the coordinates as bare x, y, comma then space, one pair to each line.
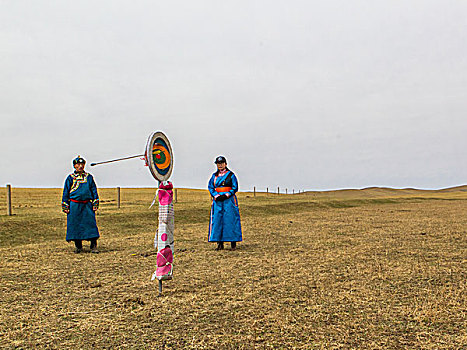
378, 192
462, 188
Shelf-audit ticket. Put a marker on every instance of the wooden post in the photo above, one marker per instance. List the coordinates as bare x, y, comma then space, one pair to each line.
254, 191
8, 199
176, 196
278, 190
293, 191
285, 191
118, 197
267, 190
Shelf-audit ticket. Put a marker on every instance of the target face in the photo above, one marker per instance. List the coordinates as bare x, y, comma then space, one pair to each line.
159, 157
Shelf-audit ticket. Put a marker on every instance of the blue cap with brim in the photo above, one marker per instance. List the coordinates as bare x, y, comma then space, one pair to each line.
78, 160
220, 159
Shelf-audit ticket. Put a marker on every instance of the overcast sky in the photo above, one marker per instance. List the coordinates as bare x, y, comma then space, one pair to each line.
305, 94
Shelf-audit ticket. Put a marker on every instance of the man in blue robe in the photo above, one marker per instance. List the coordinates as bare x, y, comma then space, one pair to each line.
80, 202
224, 221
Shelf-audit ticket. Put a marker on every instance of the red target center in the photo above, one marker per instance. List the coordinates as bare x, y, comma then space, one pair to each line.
158, 156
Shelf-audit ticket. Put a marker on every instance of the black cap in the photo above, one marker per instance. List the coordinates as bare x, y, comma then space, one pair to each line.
78, 160
220, 159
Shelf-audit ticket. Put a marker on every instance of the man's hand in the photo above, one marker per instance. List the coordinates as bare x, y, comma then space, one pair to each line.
66, 211
221, 198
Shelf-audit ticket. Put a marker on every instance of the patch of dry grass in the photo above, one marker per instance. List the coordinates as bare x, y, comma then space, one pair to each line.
370, 269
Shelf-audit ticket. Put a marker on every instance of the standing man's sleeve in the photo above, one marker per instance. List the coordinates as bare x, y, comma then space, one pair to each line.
95, 195
234, 186
211, 188
66, 194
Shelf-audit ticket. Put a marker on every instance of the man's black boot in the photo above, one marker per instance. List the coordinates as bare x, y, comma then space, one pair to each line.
78, 246
94, 246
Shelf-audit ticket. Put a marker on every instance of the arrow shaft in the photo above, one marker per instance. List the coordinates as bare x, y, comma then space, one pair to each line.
116, 160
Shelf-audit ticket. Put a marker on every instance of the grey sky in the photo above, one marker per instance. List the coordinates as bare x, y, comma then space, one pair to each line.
297, 94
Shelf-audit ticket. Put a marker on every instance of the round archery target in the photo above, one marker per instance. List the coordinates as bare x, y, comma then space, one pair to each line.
159, 156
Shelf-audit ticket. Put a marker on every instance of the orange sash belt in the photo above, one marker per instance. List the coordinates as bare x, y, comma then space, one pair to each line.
223, 189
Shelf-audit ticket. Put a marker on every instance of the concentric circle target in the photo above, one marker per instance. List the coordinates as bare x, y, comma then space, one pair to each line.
159, 157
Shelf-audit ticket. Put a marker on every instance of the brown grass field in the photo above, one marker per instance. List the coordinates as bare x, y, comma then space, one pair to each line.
355, 269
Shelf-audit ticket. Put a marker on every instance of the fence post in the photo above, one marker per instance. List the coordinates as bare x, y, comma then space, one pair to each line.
176, 196
118, 197
8, 199
267, 191
285, 191
254, 191
277, 189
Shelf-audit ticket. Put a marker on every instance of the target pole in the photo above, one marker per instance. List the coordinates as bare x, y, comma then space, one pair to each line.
160, 287
160, 281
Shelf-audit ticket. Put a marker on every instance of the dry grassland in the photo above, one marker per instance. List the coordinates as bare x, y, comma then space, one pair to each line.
369, 269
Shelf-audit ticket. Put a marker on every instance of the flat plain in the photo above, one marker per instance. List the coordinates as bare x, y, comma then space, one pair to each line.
355, 269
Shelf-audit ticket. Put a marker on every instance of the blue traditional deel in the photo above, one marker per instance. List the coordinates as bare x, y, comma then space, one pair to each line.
224, 221
80, 197
159, 156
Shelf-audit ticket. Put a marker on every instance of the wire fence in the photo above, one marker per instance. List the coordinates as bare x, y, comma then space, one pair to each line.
284, 191
175, 192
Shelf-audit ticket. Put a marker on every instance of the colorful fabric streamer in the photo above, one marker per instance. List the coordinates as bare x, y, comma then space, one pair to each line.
164, 237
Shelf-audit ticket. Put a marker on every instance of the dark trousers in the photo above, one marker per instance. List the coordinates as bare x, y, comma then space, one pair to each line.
79, 243
220, 245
